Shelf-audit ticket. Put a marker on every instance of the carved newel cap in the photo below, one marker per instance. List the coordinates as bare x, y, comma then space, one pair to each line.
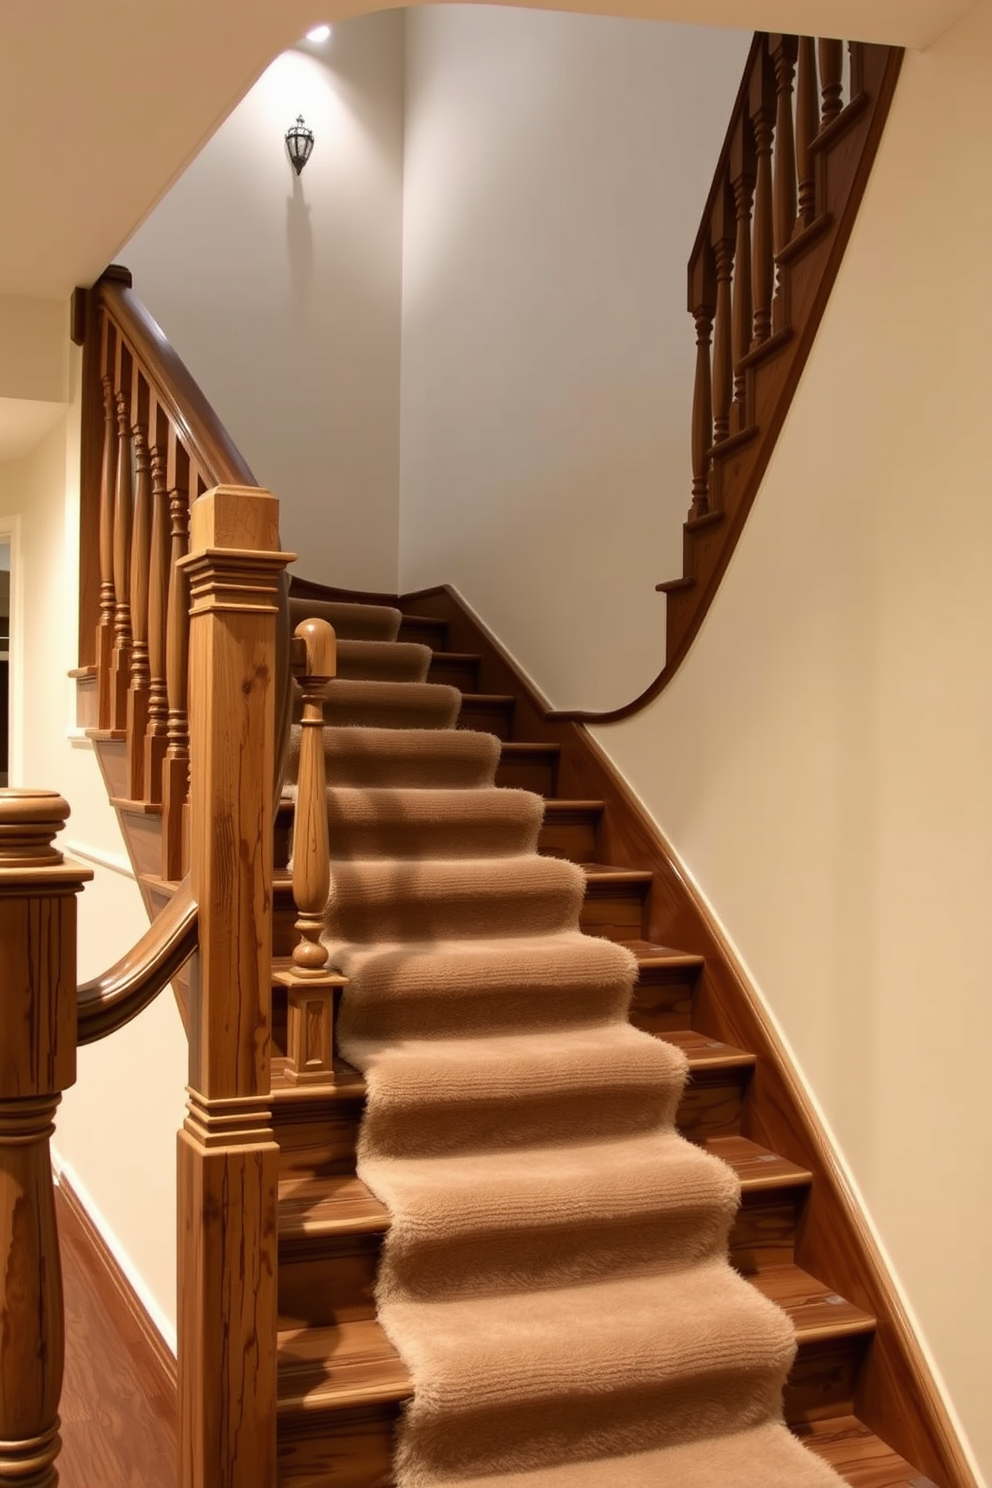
30, 820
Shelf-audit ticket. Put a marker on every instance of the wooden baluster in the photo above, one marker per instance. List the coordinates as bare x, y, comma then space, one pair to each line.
228, 1160
108, 491
807, 127
310, 988
783, 50
141, 545
37, 1062
742, 176
157, 730
856, 53
724, 232
702, 303
831, 79
123, 512
175, 767
761, 108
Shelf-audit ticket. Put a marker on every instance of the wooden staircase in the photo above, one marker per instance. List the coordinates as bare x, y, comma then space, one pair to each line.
341, 1384
860, 1393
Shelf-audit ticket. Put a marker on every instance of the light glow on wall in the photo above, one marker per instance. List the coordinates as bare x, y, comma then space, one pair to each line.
319, 34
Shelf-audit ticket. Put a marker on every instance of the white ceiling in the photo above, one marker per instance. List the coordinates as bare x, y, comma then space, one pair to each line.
102, 104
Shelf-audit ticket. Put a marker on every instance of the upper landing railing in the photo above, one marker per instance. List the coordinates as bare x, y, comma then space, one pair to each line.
803, 134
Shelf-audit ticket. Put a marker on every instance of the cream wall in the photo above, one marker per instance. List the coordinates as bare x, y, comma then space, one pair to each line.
556, 169
282, 293
116, 1129
821, 762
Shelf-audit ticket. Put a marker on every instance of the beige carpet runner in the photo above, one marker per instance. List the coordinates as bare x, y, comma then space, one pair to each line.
555, 1276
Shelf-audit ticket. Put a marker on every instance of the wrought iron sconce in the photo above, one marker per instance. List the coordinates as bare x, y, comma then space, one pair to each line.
299, 143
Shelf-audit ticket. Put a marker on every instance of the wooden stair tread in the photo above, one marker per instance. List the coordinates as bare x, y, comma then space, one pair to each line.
453, 658
137, 808
557, 806
337, 1204
861, 1457
756, 1167
517, 747
816, 1311
157, 884
704, 1052
347, 1084
649, 954
335, 1368
490, 699
604, 873
435, 621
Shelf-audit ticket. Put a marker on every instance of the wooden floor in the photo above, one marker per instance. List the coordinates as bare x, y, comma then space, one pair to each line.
118, 1409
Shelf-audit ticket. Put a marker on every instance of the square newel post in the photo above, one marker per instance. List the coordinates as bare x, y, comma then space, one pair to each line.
228, 1159
37, 1062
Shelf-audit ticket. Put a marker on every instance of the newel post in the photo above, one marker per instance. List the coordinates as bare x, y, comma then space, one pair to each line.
37, 1062
227, 1155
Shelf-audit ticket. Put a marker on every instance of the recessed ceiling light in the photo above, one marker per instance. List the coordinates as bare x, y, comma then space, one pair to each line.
319, 34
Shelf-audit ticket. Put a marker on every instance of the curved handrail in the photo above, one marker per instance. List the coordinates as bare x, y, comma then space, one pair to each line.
109, 1001
772, 211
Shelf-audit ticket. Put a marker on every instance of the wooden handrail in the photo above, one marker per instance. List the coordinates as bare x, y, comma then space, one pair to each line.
789, 180
109, 1001
151, 445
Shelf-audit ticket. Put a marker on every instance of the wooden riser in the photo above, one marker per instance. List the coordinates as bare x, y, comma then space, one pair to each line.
490, 713
455, 669
532, 767
425, 630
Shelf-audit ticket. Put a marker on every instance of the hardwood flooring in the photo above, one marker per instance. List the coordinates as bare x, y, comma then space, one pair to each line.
118, 1406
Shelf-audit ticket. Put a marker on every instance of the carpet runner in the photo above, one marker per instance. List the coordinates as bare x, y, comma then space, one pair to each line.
555, 1276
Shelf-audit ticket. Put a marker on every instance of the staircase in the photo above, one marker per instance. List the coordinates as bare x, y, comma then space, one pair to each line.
280, 1242
341, 1383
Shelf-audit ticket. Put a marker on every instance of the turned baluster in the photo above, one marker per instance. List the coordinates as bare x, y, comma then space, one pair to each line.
783, 49
175, 769
723, 372
157, 729
831, 79
123, 513
141, 545
702, 301
742, 173
108, 489
807, 125
310, 988
761, 107
37, 1062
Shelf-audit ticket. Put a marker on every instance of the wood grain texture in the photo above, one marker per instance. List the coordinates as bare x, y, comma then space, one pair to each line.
37, 1062
228, 1159
119, 1420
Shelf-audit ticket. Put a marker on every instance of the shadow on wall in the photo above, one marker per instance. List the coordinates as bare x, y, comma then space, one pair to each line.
299, 241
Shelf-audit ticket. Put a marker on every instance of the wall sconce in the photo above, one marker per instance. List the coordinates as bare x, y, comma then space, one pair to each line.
299, 143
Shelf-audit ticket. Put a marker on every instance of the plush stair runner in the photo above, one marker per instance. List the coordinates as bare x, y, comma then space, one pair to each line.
555, 1276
